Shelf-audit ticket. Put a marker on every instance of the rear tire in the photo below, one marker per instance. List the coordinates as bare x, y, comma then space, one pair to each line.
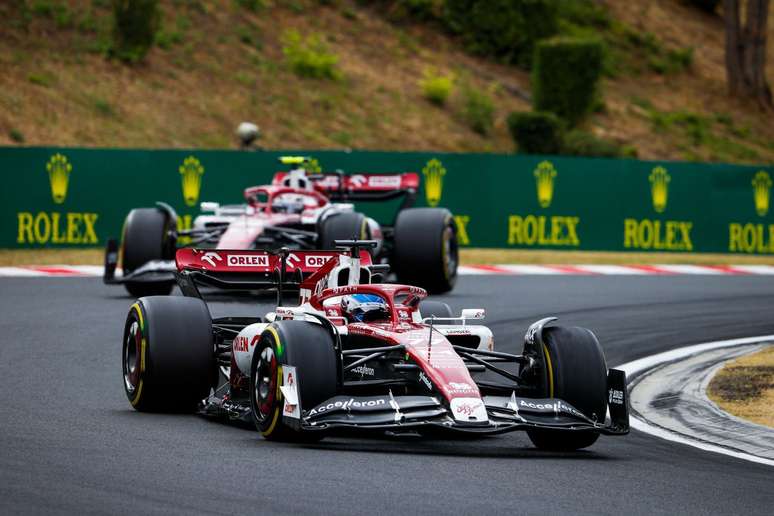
576, 373
425, 251
149, 234
346, 225
309, 348
168, 354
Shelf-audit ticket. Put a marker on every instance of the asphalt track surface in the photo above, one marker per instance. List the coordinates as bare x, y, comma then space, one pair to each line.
70, 443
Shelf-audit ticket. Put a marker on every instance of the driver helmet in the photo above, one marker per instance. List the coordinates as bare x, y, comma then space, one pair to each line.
288, 204
364, 308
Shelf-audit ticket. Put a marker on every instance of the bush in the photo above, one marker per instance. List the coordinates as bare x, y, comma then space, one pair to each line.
506, 29
310, 57
135, 23
536, 132
436, 88
581, 143
706, 5
566, 76
478, 110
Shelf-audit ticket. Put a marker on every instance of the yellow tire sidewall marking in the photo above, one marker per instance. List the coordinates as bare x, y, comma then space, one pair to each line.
275, 418
550, 371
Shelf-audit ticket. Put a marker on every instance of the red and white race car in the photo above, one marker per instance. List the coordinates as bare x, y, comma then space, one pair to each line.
358, 354
299, 211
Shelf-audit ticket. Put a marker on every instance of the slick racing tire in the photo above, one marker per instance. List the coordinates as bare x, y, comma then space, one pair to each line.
347, 225
576, 372
149, 234
309, 348
425, 250
428, 308
168, 355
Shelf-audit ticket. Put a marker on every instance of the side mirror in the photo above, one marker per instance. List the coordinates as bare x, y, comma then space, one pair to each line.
209, 206
473, 313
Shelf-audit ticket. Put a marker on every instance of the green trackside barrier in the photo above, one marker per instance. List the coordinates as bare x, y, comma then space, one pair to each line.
69, 197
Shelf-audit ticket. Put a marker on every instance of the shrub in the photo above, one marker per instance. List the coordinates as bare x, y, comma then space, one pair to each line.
581, 143
436, 88
135, 23
422, 10
536, 132
706, 5
671, 61
566, 76
251, 5
478, 110
506, 29
309, 57
16, 135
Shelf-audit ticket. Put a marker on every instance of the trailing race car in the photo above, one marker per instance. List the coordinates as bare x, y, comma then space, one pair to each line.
299, 211
358, 354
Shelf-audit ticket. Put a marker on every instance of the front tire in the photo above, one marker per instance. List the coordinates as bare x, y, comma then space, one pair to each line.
576, 372
149, 234
426, 251
309, 348
168, 355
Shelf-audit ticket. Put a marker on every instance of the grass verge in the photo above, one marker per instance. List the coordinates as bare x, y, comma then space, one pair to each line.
745, 387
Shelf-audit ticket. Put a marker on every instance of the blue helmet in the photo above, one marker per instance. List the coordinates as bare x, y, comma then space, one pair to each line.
365, 308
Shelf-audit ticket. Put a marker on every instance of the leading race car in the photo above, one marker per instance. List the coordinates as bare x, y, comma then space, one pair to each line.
299, 211
360, 355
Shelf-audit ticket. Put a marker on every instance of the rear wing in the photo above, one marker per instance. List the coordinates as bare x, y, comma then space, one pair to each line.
251, 269
362, 187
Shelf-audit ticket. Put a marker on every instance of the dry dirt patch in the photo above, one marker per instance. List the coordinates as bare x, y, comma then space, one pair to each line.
745, 387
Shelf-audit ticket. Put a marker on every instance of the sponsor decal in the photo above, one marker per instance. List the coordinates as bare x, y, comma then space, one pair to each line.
56, 227
754, 237
316, 261
58, 168
346, 405
433, 172
384, 181
556, 407
531, 230
750, 238
468, 409
659, 188
460, 387
658, 235
669, 235
615, 397
425, 380
363, 370
247, 260
545, 176
357, 180
191, 172
241, 343
403, 314
462, 229
761, 187
541, 230
211, 257
289, 389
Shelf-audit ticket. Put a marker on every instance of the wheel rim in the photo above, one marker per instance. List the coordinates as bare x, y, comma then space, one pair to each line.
265, 387
132, 344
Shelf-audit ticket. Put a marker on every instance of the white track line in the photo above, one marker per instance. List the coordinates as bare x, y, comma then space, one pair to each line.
638, 367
